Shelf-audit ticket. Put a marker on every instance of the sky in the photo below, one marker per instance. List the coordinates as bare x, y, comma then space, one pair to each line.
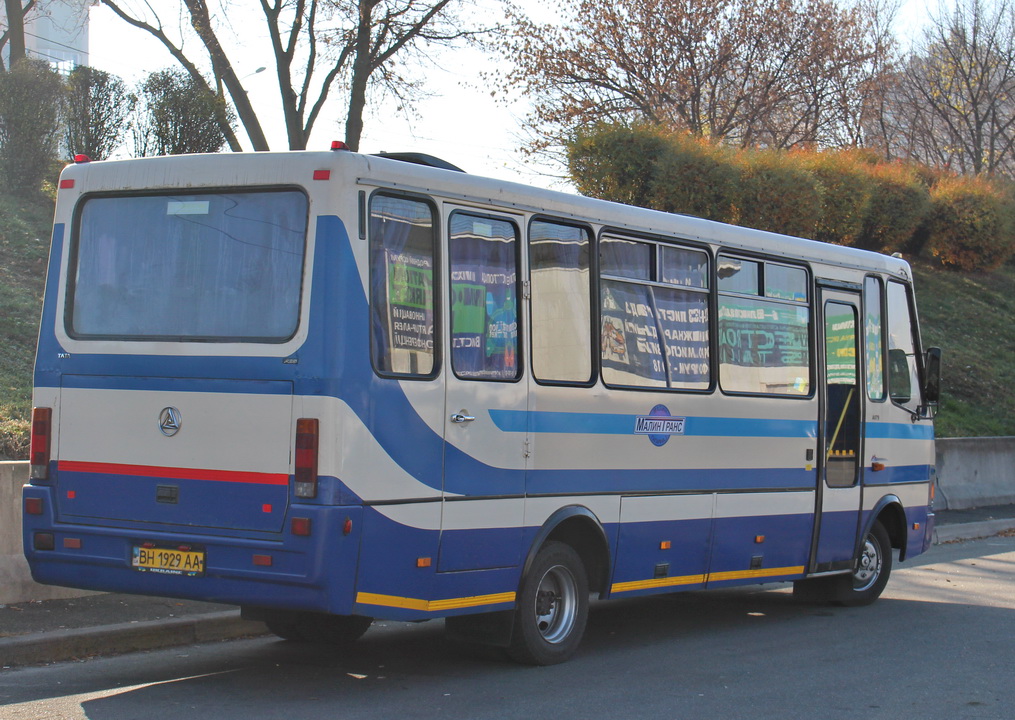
460, 123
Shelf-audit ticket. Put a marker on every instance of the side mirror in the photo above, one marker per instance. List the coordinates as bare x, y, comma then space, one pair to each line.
932, 384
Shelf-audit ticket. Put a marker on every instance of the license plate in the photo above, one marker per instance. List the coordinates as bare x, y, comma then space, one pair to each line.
168, 561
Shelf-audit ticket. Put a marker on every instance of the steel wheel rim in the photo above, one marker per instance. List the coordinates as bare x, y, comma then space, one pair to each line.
868, 565
555, 606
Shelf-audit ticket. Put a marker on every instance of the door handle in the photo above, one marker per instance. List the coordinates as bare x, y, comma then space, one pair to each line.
461, 417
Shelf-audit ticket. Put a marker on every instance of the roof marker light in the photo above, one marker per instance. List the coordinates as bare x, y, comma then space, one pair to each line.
338, 145
82, 159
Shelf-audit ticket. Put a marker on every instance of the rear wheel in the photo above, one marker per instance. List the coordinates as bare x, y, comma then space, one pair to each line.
552, 608
318, 628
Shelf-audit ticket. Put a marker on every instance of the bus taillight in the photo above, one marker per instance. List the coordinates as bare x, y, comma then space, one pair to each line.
42, 426
306, 457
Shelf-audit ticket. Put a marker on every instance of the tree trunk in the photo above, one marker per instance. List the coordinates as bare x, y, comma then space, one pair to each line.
15, 30
201, 21
360, 76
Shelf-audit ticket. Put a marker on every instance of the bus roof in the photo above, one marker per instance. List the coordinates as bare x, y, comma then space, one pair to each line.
269, 168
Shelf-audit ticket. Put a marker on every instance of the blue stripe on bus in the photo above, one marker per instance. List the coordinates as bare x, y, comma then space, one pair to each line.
623, 424
899, 431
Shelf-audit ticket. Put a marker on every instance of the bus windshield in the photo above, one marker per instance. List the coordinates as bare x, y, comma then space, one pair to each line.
202, 267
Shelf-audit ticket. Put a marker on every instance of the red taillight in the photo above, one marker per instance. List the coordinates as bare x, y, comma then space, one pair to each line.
300, 526
33, 506
306, 457
42, 427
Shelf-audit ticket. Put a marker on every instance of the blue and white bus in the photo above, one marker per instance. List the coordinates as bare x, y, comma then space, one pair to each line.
329, 387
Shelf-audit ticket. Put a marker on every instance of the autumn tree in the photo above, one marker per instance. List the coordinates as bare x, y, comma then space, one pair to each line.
96, 113
778, 73
953, 105
176, 115
317, 46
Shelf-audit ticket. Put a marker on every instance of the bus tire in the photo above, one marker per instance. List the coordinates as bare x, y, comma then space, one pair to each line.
871, 568
285, 630
317, 628
335, 630
552, 607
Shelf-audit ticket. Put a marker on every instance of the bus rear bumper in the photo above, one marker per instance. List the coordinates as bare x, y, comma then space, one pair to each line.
284, 571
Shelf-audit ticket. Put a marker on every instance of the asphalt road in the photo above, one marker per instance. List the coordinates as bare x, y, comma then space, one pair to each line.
939, 644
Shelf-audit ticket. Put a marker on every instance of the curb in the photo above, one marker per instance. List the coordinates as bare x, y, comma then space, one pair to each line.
72, 644
973, 530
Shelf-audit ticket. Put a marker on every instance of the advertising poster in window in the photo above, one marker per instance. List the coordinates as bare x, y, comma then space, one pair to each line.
410, 301
484, 331
638, 321
763, 347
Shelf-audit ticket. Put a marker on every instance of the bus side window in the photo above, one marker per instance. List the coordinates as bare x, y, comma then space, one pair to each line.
764, 321
560, 305
873, 338
903, 370
654, 321
483, 254
402, 241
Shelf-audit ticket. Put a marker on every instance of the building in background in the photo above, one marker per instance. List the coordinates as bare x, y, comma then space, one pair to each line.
55, 31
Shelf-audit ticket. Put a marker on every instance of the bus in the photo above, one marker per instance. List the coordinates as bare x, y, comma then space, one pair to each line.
329, 387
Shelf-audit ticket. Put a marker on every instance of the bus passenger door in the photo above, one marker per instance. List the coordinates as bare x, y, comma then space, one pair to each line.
484, 468
839, 493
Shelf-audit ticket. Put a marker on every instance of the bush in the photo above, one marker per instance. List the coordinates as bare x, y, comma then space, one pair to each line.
175, 115
614, 162
98, 107
695, 177
777, 194
971, 224
846, 192
899, 202
31, 98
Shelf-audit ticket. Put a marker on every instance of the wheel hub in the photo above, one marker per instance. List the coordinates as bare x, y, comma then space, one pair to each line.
545, 601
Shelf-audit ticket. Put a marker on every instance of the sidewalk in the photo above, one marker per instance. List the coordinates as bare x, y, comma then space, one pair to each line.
60, 630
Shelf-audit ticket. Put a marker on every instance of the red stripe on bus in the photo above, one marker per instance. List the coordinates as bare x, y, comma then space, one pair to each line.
255, 478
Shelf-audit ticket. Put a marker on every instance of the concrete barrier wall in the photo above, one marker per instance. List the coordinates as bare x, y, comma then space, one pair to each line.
975, 472
971, 472
16, 584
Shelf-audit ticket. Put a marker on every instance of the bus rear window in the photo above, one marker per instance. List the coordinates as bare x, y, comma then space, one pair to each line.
213, 267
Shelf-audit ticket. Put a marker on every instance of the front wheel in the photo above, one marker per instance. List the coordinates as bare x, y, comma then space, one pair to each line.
552, 608
871, 568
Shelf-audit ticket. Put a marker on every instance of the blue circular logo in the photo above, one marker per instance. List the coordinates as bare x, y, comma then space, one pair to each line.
659, 439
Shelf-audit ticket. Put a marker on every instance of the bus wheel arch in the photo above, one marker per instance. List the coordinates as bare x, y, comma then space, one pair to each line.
890, 513
578, 527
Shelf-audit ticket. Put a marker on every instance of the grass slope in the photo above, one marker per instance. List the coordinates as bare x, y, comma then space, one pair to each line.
970, 316
25, 230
